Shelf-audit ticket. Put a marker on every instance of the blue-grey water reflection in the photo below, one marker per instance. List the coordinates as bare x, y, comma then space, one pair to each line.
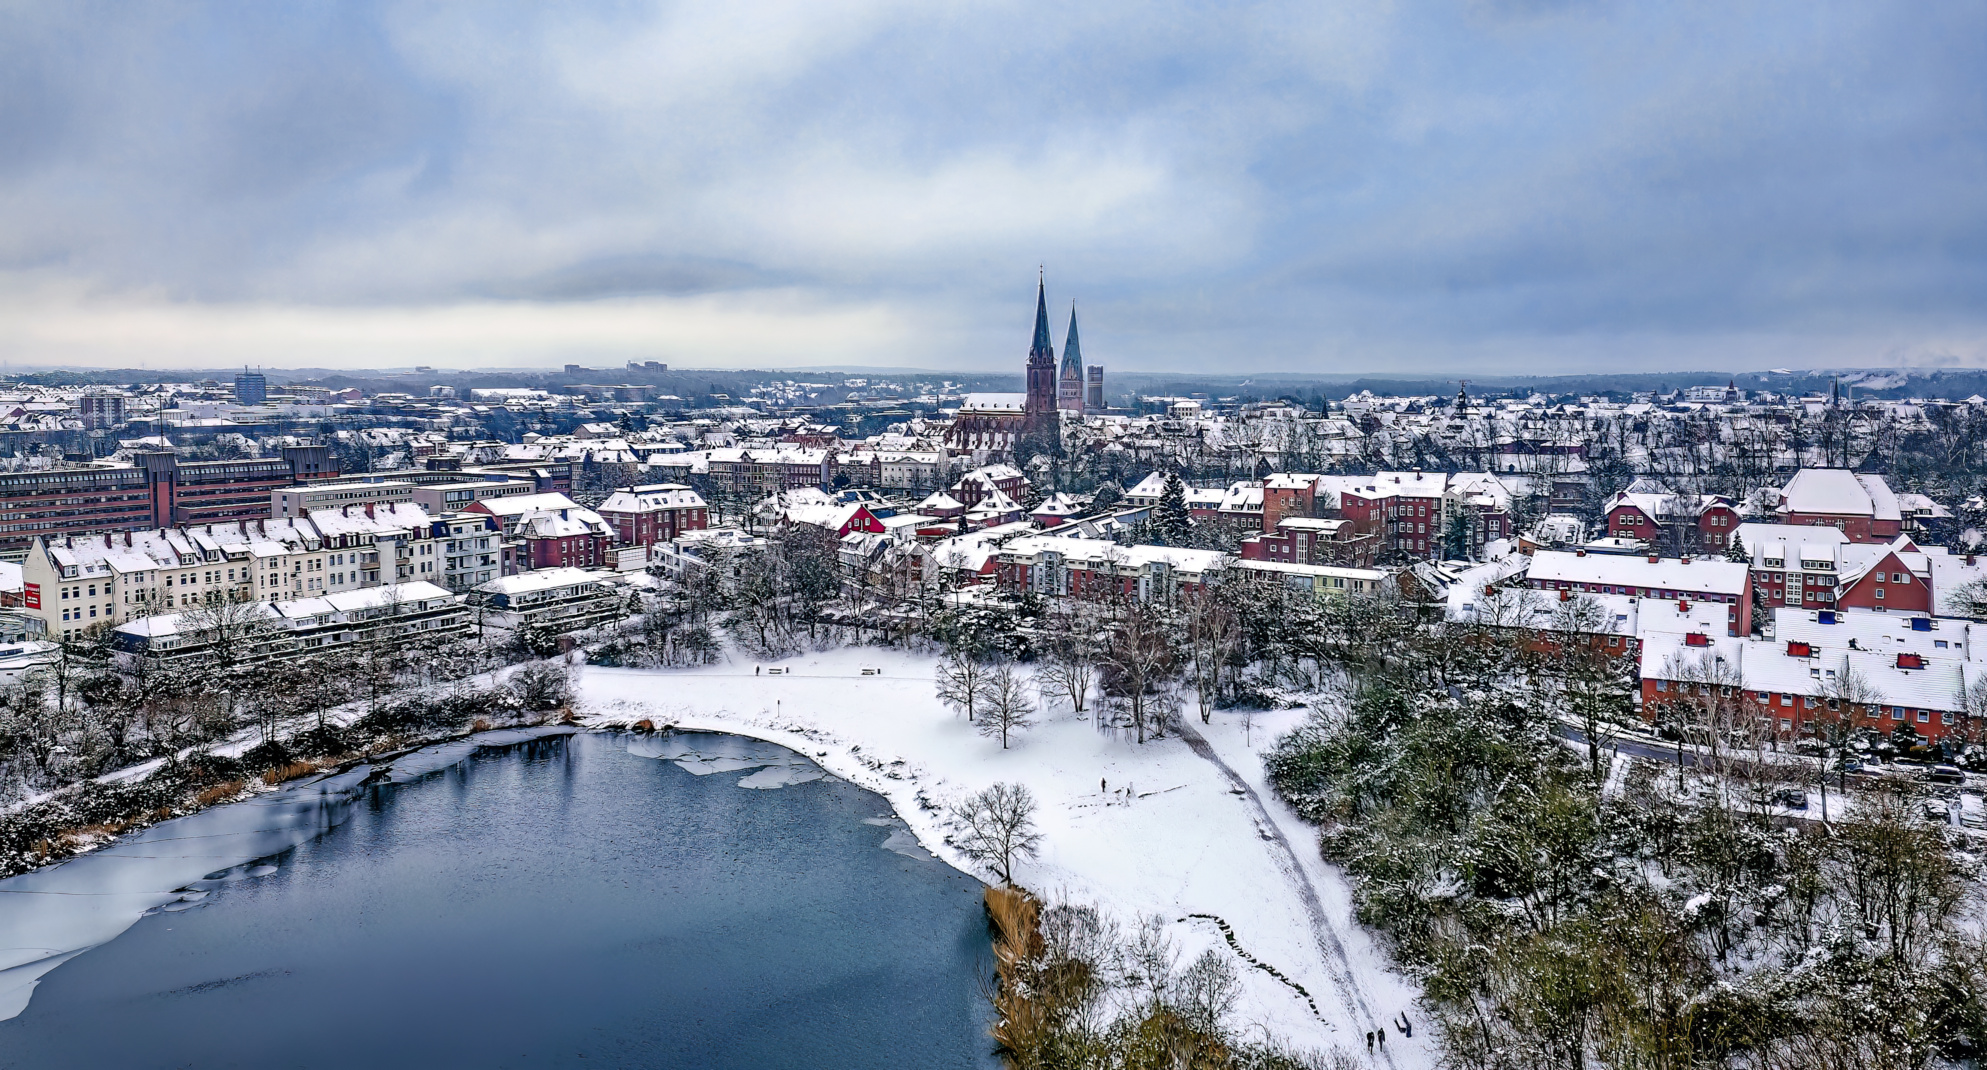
561, 903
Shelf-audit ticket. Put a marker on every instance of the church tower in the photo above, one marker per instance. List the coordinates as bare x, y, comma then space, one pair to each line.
1069, 381
1041, 406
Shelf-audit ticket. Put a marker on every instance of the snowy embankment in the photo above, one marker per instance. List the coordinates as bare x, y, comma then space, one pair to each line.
1174, 828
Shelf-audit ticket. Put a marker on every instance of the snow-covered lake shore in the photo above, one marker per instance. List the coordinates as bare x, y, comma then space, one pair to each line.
1157, 829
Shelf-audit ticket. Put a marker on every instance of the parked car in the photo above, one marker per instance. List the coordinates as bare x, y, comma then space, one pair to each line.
1791, 798
1938, 811
1946, 774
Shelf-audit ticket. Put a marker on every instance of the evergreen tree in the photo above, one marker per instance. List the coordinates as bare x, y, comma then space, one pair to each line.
1172, 522
1737, 551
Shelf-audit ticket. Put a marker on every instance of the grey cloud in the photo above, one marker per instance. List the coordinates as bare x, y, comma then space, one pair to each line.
1302, 183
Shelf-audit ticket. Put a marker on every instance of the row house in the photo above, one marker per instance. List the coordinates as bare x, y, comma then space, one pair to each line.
756, 472
410, 612
76, 583
1320, 581
894, 469
1678, 579
1876, 671
644, 516
1678, 523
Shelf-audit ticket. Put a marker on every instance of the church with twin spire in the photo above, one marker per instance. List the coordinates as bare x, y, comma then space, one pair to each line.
990, 425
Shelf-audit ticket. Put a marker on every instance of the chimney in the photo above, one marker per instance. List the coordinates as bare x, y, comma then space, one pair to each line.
1683, 606
1685, 559
1565, 595
1654, 558
127, 540
106, 540
369, 510
1579, 551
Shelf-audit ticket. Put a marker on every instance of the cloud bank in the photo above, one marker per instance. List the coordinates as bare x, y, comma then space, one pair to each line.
1470, 186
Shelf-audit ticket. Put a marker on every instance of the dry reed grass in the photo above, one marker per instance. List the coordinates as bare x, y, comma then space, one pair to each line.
218, 792
1015, 917
482, 725
644, 725
283, 773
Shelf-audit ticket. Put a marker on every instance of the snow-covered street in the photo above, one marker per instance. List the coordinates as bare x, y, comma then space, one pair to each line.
1153, 829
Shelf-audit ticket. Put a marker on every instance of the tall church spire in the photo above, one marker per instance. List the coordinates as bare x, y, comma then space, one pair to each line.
1041, 396
1042, 343
1069, 380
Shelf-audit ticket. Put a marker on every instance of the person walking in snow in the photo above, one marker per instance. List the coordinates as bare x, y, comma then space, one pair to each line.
1102, 787
1383, 1038
755, 670
1369, 1040
1407, 1027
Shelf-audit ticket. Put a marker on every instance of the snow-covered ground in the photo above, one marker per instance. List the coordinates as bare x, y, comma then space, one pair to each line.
1173, 828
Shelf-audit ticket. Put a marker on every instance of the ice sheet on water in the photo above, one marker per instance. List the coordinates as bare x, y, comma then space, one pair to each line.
901, 839
705, 753
51, 915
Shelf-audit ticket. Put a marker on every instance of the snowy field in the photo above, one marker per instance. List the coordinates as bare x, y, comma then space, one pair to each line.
1173, 828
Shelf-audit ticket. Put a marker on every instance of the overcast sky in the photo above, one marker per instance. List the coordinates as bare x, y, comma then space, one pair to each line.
1489, 187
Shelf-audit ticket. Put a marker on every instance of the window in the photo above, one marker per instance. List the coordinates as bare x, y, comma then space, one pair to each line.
1923, 716
1786, 699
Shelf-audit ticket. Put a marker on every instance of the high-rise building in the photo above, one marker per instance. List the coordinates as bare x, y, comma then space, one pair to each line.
1094, 402
251, 388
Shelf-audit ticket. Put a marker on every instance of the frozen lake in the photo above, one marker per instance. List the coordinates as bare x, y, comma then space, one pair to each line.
581, 901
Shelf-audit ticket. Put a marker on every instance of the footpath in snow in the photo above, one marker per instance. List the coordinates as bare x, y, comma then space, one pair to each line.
1182, 828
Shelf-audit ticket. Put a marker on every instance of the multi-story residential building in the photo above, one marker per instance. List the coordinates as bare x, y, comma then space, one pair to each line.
1065, 566
547, 531
980, 483
563, 599
305, 626
1308, 541
100, 411
755, 473
1878, 671
1860, 506
471, 549
646, 515
1403, 508
1678, 579
75, 583
1674, 523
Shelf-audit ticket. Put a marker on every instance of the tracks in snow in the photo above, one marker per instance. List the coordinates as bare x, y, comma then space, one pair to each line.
1330, 947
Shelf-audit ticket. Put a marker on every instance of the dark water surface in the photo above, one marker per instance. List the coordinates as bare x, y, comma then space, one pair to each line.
560, 903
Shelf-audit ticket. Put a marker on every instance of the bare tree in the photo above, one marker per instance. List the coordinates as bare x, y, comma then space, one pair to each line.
1847, 697
1139, 660
962, 681
995, 828
1213, 633
1069, 657
1004, 703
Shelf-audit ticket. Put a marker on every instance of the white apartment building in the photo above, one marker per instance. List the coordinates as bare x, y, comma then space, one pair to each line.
78, 582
